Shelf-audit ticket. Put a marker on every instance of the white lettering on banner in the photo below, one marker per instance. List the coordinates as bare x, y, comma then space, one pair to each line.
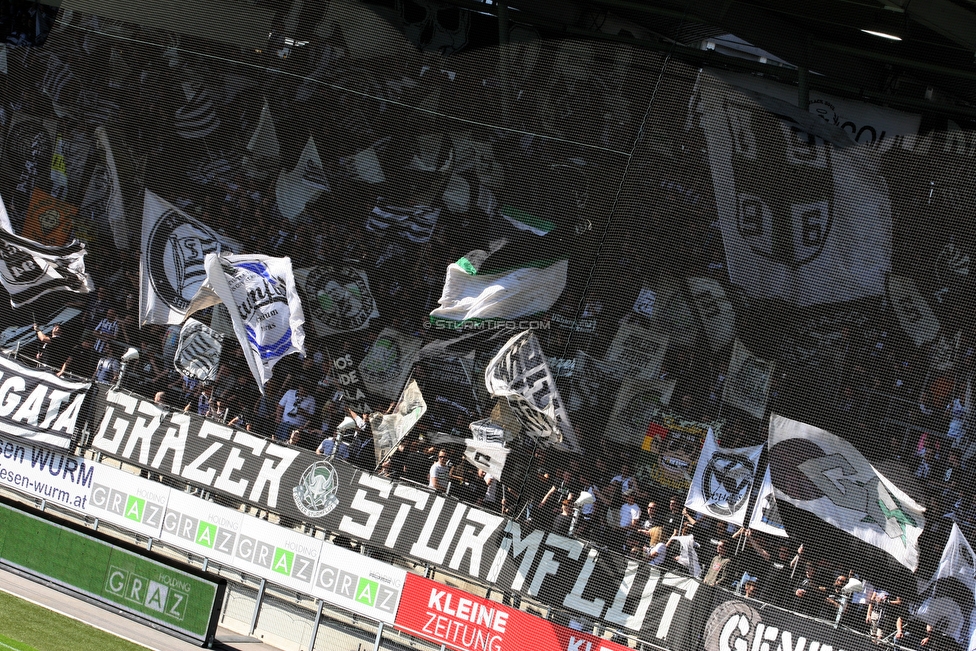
518, 545
422, 548
363, 505
29, 412
473, 541
137, 422
737, 626
419, 499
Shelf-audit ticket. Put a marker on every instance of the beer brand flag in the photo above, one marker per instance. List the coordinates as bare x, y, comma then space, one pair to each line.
198, 351
914, 314
825, 475
489, 457
520, 368
948, 602
48, 220
723, 481
412, 223
390, 429
29, 270
386, 366
259, 292
174, 246
765, 514
469, 295
748, 381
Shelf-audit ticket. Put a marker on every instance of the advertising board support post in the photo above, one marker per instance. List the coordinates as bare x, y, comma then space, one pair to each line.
257, 607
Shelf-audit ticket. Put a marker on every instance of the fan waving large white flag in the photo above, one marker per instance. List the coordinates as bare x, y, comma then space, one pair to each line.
821, 473
723, 481
259, 292
948, 602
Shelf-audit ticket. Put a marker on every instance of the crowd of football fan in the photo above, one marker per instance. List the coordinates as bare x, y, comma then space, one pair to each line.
303, 404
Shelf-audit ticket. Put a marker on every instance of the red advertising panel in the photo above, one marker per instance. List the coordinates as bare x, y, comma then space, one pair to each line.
464, 622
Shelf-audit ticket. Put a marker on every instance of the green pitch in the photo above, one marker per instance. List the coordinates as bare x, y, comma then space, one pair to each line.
26, 627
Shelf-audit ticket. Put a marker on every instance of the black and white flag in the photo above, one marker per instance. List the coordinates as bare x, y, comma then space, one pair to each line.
113, 206
29, 270
296, 189
263, 144
748, 381
765, 513
723, 481
339, 299
520, 370
174, 247
489, 457
804, 212
390, 429
714, 311
198, 351
413, 223
948, 602
197, 117
914, 314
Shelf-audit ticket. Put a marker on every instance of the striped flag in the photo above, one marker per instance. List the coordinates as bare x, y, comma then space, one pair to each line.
29, 270
414, 223
198, 351
197, 118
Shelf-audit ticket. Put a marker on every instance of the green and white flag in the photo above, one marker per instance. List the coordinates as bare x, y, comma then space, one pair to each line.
825, 475
386, 366
472, 296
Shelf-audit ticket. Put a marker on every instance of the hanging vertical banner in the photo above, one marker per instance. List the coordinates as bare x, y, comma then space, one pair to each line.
49, 220
390, 429
765, 514
714, 310
489, 457
748, 381
339, 299
723, 481
637, 404
259, 291
386, 366
637, 352
914, 314
521, 368
198, 351
174, 246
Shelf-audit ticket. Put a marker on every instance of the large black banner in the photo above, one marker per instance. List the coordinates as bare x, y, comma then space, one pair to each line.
38, 405
729, 622
408, 520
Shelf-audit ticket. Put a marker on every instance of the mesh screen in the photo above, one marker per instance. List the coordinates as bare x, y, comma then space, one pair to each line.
690, 250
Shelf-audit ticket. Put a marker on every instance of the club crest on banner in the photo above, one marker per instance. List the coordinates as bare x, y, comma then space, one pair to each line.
339, 299
315, 495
